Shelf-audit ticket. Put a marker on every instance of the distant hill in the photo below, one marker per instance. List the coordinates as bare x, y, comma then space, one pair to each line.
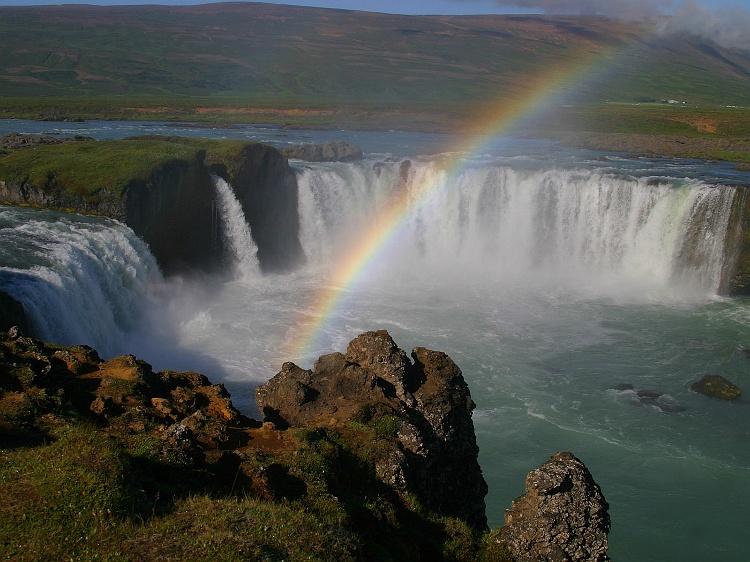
253, 53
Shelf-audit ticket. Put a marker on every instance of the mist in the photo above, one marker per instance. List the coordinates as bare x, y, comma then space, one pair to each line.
727, 27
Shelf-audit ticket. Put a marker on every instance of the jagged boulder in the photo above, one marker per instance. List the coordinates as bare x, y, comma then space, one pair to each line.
425, 403
717, 387
337, 151
562, 517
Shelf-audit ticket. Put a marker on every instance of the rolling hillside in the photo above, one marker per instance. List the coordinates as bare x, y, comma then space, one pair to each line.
251, 55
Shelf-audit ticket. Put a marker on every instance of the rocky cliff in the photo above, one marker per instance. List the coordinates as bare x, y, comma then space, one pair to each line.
735, 279
12, 314
162, 188
338, 151
174, 211
266, 187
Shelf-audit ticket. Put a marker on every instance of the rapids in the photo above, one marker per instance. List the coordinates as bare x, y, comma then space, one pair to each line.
550, 283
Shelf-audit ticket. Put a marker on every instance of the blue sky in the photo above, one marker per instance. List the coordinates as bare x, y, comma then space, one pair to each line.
436, 6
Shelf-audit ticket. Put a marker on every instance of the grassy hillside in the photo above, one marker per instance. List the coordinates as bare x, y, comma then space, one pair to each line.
258, 62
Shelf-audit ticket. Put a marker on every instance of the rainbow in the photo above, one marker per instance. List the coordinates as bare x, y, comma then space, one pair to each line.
376, 237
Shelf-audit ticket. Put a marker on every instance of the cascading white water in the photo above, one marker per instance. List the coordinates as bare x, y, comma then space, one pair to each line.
541, 364
555, 225
242, 250
81, 280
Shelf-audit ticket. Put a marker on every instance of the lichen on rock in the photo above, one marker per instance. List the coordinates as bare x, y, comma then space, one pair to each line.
717, 387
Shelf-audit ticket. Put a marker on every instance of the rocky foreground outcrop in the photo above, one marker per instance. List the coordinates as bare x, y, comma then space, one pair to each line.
368, 456
426, 402
562, 516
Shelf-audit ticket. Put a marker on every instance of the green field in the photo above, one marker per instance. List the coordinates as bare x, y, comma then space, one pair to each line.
316, 67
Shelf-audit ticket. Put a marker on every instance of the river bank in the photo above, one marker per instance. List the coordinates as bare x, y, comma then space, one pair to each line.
669, 146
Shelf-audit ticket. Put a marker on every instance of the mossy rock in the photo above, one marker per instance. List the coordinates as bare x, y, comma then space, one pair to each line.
716, 386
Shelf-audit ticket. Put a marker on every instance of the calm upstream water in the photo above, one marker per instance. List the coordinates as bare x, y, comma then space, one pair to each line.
551, 276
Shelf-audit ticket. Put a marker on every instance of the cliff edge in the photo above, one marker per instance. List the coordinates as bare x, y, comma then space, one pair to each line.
162, 188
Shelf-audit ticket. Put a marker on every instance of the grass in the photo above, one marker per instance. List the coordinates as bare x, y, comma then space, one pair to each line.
65, 497
86, 168
83, 496
701, 121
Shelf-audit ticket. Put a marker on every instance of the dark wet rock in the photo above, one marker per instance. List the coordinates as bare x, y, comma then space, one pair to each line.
266, 187
623, 386
647, 397
338, 151
562, 517
12, 314
716, 386
425, 405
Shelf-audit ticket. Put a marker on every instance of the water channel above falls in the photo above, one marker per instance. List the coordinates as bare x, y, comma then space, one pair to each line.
550, 276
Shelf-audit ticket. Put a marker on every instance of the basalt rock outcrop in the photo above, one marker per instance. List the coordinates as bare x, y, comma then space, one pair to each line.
562, 517
14, 141
427, 403
266, 187
337, 151
174, 211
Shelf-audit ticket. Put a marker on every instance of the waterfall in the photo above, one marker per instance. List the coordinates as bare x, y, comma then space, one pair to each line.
243, 252
560, 225
81, 280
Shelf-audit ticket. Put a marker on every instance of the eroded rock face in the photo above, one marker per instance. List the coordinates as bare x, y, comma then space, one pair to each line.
434, 452
562, 517
173, 211
266, 187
